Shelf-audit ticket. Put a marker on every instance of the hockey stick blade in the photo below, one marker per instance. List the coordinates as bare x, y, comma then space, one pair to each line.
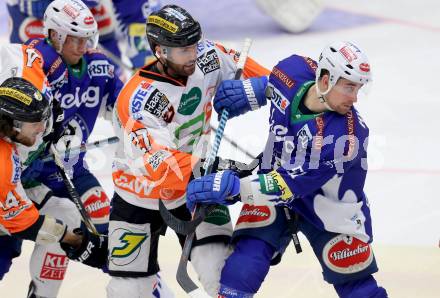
182, 226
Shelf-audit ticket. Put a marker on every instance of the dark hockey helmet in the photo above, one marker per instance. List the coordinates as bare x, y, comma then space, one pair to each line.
172, 26
22, 101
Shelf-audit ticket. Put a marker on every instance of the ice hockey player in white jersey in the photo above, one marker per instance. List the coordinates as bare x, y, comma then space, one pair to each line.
162, 116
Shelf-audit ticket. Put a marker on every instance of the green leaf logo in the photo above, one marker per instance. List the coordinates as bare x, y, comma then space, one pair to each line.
190, 101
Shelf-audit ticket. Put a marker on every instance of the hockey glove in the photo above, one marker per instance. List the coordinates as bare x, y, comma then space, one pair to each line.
213, 189
92, 251
239, 97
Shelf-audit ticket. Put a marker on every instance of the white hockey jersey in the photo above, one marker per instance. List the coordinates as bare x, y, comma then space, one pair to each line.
161, 122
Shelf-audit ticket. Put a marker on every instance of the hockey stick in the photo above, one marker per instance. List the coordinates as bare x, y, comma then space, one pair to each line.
187, 227
84, 147
235, 144
182, 275
72, 191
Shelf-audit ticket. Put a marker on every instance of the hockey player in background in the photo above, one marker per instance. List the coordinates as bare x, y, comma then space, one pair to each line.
311, 178
27, 22
162, 118
25, 111
83, 83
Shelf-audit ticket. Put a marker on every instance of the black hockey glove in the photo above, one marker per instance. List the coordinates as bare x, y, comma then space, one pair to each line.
92, 251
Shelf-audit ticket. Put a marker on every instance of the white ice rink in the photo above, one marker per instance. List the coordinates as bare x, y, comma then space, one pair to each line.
402, 40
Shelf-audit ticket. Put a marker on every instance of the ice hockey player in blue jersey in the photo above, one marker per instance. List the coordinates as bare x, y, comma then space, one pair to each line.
311, 178
27, 22
84, 84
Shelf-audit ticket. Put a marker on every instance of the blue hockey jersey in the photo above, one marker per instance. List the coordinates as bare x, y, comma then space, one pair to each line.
84, 93
320, 160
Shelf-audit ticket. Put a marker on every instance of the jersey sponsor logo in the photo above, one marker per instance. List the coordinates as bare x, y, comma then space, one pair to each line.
252, 216
101, 68
139, 138
130, 243
13, 206
319, 138
157, 158
31, 28
137, 185
190, 101
90, 98
16, 164
347, 254
283, 77
351, 136
268, 184
204, 44
189, 133
129, 247
96, 204
208, 62
286, 193
311, 63
159, 105
54, 266
277, 99
219, 216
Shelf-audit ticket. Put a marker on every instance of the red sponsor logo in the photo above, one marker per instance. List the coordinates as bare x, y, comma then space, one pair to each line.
71, 11
145, 84
97, 203
348, 54
251, 214
347, 254
54, 266
312, 64
89, 20
283, 77
318, 139
365, 67
34, 29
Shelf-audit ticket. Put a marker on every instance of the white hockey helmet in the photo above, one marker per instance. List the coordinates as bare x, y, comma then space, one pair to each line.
71, 17
343, 60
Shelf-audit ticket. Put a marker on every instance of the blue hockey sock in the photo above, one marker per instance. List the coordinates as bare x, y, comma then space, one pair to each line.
366, 287
246, 267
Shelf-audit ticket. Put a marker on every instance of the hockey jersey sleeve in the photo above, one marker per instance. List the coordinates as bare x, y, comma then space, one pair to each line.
228, 60
17, 213
148, 137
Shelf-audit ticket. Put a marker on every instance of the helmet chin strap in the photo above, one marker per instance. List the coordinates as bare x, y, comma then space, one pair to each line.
321, 95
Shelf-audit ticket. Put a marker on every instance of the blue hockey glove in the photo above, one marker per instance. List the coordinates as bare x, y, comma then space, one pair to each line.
213, 188
239, 97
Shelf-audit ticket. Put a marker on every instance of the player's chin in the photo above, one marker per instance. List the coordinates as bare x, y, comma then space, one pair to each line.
189, 69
